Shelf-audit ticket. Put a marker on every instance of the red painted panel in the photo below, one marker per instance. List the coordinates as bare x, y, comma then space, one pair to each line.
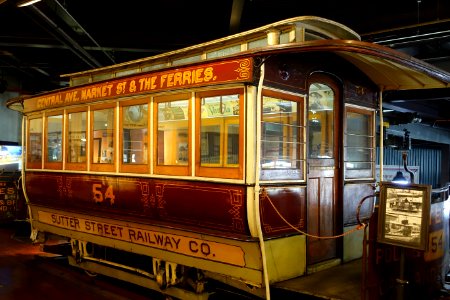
214, 206
198, 206
278, 203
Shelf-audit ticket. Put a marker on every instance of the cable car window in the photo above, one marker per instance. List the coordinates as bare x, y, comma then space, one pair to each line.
233, 144
77, 137
282, 136
321, 121
103, 136
54, 138
359, 143
134, 134
172, 138
35, 143
219, 131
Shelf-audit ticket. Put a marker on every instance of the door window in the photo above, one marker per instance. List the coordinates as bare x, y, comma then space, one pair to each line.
321, 121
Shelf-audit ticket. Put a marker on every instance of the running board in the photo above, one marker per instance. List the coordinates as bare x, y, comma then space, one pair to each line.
140, 280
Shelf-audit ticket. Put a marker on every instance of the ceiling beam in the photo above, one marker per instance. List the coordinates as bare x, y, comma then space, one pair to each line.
76, 27
421, 132
66, 39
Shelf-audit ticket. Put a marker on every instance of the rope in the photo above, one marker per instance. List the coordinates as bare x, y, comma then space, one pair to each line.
359, 227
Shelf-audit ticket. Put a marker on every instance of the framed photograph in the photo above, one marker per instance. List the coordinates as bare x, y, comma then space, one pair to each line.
404, 212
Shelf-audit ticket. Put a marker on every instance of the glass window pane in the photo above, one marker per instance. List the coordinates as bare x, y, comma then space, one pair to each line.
357, 123
77, 137
210, 145
358, 147
135, 126
103, 136
321, 121
233, 144
280, 144
219, 131
173, 139
54, 138
35, 146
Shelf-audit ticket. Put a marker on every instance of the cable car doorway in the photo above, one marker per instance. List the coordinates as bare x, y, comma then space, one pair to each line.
323, 161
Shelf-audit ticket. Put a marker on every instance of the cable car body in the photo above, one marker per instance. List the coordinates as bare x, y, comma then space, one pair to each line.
228, 161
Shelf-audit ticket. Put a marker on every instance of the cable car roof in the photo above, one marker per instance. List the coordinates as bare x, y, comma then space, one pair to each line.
389, 69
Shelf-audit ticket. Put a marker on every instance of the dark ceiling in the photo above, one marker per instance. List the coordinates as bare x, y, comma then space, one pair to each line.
38, 43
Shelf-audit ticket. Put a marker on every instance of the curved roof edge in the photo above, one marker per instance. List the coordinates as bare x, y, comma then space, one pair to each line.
322, 27
389, 69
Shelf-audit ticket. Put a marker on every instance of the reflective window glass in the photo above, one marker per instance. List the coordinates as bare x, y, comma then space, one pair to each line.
35, 141
321, 121
219, 131
280, 143
54, 138
172, 137
76, 137
359, 143
103, 136
134, 134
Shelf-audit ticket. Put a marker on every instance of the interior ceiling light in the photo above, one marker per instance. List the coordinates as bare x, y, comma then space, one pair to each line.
26, 2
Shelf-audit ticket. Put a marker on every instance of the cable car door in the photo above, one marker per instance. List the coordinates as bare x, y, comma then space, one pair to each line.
323, 155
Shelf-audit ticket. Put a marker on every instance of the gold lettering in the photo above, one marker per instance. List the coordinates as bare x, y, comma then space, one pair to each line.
209, 74
170, 80
177, 80
109, 87
132, 86
198, 75
121, 87
186, 77
84, 94
163, 80
153, 85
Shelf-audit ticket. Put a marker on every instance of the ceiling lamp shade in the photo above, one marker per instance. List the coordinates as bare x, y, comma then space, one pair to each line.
399, 178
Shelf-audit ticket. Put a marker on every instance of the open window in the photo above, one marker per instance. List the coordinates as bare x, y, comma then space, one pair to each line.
219, 133
172, 135
282, 136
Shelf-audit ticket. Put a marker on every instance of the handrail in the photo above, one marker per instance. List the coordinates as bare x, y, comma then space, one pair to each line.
445, 188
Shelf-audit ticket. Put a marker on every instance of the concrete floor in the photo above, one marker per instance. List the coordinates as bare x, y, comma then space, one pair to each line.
26, 273
342, 282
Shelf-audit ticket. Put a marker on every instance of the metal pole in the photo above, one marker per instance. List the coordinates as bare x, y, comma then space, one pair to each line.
401, 282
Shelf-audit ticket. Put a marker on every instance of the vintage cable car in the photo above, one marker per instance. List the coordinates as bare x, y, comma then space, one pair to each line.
241, 160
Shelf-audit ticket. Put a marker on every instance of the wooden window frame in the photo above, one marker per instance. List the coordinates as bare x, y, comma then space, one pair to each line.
183, 170
234, 172
282, 174
82, 166
102, 167
47, 164
134, 168
28, 163
371, 114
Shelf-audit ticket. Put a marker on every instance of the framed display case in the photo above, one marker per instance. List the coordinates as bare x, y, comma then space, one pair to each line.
404, 212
